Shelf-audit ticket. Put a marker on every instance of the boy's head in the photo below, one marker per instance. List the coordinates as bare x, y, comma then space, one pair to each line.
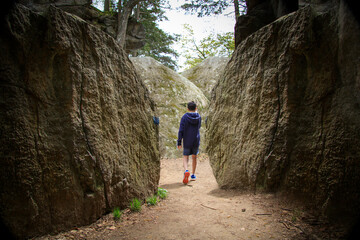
191, 106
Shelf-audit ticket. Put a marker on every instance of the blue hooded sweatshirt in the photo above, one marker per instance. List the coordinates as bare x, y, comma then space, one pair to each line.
189, 130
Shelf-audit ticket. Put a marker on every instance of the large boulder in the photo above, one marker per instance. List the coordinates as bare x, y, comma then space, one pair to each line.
207, 73
77, 133
286, 113
171, 93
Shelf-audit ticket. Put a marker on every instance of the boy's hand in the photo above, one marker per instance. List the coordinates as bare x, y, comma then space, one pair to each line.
179, 147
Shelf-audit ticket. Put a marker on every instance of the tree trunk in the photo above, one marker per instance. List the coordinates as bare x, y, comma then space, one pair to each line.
237, 12
107, 6
137, 12
124, 14
122, 26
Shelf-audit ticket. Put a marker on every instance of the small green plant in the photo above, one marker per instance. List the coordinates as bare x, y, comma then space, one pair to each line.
296, 215
117, 213
135, 205
152, 200
162, 193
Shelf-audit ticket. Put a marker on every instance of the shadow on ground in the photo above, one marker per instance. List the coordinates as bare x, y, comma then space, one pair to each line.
174, 185
222, 193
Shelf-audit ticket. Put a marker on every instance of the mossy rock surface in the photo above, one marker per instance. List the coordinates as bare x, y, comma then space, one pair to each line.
206, 74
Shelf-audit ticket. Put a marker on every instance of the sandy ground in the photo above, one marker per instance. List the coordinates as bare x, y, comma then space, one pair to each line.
200, 210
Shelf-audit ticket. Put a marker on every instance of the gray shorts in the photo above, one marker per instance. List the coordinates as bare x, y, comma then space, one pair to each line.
191, 151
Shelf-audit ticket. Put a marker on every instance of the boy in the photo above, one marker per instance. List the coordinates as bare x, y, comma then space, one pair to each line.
189, 132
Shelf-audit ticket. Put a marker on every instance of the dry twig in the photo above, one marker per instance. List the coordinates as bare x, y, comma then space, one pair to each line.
208, 207
285, 224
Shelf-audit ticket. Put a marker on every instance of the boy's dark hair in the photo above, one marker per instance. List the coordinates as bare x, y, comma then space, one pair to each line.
191, 106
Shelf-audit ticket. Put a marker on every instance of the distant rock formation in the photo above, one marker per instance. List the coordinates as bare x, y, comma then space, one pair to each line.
77, 130
171, 93
286, 113
207, 73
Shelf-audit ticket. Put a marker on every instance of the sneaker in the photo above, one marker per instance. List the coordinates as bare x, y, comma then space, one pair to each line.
193, 177
186, 177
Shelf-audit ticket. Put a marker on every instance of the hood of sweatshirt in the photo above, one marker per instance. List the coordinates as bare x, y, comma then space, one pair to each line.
193, 117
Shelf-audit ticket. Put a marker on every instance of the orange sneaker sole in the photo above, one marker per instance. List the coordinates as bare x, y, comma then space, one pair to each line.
186, 177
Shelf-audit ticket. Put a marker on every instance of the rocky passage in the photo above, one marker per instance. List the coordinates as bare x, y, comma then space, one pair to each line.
79, 136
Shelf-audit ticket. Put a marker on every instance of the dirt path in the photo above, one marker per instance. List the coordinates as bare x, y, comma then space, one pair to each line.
200, 210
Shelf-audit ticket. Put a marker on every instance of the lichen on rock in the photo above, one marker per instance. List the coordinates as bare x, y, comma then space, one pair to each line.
207, 73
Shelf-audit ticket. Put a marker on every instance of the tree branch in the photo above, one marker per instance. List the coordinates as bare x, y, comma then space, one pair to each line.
197, 49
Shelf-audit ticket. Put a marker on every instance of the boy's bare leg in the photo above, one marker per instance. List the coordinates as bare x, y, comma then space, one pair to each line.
194, 162
185, 162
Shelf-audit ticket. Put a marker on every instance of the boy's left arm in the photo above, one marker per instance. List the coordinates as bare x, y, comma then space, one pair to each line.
181, 133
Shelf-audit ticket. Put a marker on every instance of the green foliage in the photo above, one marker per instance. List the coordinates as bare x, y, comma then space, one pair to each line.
206, 7
210, 7
296, 215
152, 200
210, 46
112, 6
135, 205
153, 10
158, 42
162, 193
117, 213
158, 45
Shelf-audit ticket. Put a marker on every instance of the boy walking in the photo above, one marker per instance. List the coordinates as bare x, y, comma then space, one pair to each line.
189, 132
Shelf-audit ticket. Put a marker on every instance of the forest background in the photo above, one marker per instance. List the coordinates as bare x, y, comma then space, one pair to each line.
179, 34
